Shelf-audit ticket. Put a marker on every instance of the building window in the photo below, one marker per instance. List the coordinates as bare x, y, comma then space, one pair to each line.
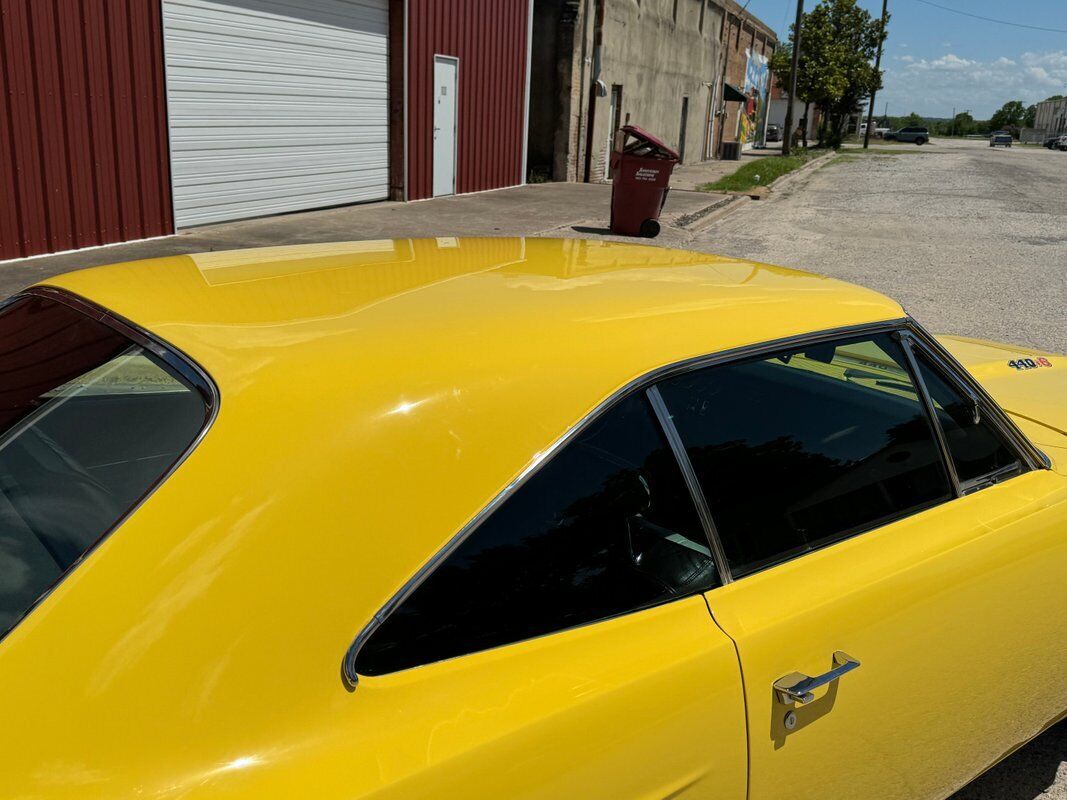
674, 12
703, 6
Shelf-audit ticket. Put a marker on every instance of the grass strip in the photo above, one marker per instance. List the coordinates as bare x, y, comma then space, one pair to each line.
759, 172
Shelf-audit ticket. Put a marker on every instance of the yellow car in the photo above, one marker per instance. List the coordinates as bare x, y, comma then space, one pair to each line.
517, 518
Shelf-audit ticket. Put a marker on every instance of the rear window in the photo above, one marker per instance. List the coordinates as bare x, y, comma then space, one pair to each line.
90, 421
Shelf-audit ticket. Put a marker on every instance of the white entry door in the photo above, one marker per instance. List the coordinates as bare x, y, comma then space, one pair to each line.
446, 82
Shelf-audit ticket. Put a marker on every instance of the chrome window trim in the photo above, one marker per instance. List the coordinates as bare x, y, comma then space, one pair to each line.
174, 358
1030, 457
692, 483
927, 401
646, 382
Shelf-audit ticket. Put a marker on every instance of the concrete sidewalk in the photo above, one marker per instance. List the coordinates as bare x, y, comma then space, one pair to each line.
547, 209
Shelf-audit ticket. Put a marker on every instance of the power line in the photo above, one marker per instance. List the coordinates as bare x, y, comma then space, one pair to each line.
991, 19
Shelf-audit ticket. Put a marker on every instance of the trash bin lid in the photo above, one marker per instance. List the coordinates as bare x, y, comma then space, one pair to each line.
645, 137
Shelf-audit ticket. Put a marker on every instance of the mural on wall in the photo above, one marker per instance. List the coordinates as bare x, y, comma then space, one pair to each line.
753, 118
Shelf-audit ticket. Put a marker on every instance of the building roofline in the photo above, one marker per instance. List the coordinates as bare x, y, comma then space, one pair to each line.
737, 10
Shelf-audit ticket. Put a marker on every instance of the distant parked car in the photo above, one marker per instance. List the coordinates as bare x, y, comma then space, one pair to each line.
1052, 141
911, 134
1000, 138
1061, 143
774, 133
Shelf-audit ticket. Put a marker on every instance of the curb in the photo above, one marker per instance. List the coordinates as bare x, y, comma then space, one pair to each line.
720, 210
686, 220
701, 219
814, 164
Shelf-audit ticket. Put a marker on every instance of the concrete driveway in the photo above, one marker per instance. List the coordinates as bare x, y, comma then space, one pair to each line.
971, 239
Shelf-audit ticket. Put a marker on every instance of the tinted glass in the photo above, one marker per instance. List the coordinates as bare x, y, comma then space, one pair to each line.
977, 449
604, 528
805, 448
88, 423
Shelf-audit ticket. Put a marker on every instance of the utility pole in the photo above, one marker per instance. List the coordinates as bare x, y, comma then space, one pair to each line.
953, 129
877, 66
787, 138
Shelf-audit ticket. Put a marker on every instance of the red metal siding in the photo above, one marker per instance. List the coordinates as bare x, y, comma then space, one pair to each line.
489, 39
83, 130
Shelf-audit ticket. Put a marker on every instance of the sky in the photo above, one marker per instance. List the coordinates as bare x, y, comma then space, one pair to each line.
936, 60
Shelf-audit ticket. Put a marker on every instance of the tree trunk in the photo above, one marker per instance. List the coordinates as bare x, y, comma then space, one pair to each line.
807, 118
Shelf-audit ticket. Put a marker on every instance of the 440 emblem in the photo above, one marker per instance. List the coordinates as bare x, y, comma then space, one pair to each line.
1029, 363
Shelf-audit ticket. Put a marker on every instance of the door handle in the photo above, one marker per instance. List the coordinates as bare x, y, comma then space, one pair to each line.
797, 687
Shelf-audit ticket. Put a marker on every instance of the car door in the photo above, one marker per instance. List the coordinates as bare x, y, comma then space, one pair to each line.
560, 647
912, 570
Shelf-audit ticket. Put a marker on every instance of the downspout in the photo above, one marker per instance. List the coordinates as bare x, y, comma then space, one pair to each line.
727, 27
581, 92
594, 88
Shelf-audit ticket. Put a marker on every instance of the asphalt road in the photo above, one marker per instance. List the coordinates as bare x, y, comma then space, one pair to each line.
971, 240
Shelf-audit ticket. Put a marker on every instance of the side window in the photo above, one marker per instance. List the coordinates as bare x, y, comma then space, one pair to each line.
807, 447
977, 449
89, 422
604, 528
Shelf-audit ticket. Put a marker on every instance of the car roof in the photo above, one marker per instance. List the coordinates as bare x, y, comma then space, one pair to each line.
374, 397
498, 345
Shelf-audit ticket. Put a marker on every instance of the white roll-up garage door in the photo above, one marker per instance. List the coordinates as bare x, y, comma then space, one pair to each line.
275, 105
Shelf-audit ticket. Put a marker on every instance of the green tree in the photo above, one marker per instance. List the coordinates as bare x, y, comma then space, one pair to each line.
964, 124
1011, 115
1031, 116
912, 120
839, 41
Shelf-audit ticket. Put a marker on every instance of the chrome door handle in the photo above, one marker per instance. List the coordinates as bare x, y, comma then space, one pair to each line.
797, 687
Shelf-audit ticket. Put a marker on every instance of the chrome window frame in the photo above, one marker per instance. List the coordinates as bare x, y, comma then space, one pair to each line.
174, 358
1030, 457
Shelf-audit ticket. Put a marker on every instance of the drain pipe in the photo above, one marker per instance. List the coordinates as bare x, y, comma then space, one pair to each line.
596, 86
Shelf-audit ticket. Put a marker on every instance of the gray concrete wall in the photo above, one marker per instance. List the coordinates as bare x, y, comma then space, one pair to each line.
659, 57
658, 52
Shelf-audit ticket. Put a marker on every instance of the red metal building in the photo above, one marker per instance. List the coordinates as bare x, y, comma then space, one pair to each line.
83, 141
489, 40
120, 119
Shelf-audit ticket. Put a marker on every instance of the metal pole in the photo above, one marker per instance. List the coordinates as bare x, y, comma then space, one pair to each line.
952, 130
877, 66
787, 139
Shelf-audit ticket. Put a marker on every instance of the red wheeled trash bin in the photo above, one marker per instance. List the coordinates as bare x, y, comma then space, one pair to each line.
641, 167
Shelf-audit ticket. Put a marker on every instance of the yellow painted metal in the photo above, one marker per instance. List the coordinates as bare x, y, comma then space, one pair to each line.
374, 397
1037, 394
957, 617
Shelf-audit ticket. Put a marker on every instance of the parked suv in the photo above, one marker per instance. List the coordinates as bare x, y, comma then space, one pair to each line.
913, 134
1000, 138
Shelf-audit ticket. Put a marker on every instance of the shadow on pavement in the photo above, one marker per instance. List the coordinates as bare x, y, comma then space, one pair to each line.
1026, 774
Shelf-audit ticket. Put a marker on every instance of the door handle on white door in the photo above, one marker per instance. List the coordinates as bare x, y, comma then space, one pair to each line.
797, 687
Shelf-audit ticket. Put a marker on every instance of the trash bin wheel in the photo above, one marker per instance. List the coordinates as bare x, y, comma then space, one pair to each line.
650, 229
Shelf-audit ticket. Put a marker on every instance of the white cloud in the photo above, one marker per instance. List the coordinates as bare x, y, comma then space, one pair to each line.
932, 87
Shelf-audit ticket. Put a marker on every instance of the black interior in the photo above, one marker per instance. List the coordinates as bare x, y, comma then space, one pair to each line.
790, 459
605, 528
